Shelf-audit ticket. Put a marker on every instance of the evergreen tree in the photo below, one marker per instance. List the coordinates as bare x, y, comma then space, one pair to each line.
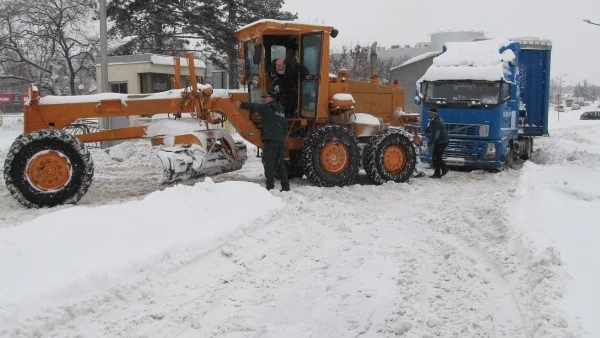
156, 26
146, 26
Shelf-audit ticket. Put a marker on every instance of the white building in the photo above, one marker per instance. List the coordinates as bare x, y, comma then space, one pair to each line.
436, 43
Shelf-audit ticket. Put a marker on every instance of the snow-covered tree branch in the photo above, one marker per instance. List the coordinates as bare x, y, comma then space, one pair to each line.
50, 43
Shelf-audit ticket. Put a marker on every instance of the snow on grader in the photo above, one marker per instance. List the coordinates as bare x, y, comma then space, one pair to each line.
340, 124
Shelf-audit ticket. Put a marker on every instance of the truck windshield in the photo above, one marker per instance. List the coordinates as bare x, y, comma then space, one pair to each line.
470, 93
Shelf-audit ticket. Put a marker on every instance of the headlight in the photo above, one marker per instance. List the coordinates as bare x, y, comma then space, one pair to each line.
491, 150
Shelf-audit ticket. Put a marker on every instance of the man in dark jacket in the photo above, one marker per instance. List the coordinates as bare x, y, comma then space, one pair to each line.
438, 140
285, 83
273, 130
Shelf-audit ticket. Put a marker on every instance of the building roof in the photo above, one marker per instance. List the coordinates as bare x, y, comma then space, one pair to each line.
418, 58
155, 59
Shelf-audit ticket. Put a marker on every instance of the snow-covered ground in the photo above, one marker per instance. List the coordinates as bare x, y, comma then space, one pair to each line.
472, 255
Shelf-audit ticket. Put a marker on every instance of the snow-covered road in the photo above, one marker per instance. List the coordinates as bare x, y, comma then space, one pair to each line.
430, 258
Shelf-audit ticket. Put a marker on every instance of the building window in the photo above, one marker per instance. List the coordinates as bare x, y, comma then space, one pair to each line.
160, 82
118, 87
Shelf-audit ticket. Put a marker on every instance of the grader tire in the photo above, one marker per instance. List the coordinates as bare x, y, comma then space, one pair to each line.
331, 156
390, 156
48, 167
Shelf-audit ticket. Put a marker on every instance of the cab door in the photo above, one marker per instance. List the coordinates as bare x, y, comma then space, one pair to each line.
311, 56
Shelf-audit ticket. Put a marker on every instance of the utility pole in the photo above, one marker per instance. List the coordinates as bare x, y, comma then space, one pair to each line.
103, 49
560, 81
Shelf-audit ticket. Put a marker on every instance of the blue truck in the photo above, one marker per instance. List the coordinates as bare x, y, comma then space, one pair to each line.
493, 95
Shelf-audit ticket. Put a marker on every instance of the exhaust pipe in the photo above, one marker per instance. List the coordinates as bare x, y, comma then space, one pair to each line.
373, 59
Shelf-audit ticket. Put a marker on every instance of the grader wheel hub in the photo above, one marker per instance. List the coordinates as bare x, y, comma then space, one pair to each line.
394, 159
334, 157
49, 171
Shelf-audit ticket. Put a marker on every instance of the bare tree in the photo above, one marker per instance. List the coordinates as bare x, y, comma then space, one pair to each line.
385, 66
50, 43
356, 60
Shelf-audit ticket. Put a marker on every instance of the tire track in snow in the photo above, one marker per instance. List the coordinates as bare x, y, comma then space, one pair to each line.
478, 225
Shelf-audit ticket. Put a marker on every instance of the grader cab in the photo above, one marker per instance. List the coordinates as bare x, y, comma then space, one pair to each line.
338, 124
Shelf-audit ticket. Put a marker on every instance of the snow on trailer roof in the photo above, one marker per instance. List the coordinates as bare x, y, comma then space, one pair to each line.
473, 60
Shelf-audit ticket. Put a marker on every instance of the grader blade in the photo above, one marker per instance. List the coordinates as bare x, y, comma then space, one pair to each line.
183, 162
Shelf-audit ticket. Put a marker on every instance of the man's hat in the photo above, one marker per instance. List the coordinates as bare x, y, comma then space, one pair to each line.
433, 110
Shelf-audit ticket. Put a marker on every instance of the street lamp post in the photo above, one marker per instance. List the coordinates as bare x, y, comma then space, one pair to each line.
590, 22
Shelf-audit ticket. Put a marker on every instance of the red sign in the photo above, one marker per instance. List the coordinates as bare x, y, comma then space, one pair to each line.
13, 98
6, 98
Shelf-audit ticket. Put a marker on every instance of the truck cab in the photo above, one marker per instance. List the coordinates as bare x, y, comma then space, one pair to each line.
492, 95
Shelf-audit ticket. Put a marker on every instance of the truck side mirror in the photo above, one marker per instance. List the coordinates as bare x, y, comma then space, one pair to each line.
417, 97
258, 48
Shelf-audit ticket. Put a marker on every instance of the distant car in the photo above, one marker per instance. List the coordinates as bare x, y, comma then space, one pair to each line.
560, 108
590, 115
575, 106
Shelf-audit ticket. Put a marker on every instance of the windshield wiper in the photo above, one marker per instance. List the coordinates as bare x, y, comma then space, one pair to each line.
470, 102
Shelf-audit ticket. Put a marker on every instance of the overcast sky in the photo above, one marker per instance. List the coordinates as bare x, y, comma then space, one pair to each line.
576, 44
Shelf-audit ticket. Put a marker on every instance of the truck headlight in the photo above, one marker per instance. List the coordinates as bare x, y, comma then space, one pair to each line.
491, 150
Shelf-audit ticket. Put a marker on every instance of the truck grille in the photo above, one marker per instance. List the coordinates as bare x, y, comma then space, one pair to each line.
460, 148
462, 129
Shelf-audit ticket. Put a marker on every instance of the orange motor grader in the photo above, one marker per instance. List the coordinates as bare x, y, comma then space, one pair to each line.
340, 126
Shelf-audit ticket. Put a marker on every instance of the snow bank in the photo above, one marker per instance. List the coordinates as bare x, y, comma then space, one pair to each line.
557, 209
12, 126
80, 249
